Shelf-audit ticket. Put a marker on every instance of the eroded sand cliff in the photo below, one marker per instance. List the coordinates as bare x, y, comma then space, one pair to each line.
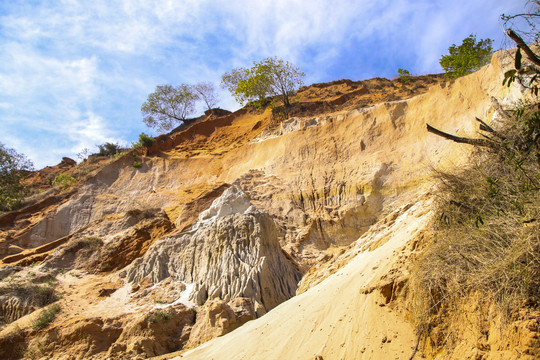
226, 216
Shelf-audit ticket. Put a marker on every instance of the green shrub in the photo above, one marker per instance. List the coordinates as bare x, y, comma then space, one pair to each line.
119, 154
63, 180
137, 164
13, 168
144, 141
45, 317
404, 76
108, 149
159, 316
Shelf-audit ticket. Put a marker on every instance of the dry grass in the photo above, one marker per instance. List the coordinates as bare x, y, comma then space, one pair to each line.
487, 237
45, 317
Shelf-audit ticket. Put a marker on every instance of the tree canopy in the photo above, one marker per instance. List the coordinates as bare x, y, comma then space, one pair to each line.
470, 56
206, 92
13, 167
268, 77
168, 105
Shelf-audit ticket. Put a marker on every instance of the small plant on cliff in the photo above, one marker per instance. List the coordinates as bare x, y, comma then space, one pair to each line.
159, 316
404, 76
470, 56
137, 164
266, 78
144, 141
108, 149
63, 181
45, 317
119, 154
83, 154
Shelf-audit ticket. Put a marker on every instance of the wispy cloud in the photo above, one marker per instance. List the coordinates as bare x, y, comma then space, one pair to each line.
74, 73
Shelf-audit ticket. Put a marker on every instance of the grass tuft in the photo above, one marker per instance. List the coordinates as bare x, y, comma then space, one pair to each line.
46, 316
159, 316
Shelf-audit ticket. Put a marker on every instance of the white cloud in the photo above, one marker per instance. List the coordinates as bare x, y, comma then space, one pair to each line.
81, 69
89, 131
28, 72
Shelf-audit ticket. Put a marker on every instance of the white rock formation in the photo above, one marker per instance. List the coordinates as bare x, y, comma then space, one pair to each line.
231, 252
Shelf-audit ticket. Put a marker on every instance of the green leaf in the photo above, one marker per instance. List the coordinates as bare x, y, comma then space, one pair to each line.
517, 62
510, 73
479, 221
509, 77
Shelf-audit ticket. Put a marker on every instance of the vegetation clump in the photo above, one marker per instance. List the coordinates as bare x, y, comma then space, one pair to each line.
13, 168
404, 76
45, 317
159, 316
168, 105
470, 56
86, 245
108, 149
487, 237
486, 240
30, 292
144, 141
63, 181
37, 295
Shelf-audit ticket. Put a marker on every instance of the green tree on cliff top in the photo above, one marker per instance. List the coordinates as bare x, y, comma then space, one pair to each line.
470, 56
266, 78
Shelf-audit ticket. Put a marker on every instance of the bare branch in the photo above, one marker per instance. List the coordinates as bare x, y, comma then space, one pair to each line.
486, 127
522, 45
462, 140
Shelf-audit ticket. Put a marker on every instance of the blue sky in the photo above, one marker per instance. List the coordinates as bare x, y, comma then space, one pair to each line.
74, 73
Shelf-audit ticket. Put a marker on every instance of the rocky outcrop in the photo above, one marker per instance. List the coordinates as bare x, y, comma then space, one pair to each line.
348, 315
217, 317
127, 237
232, 251
156, 333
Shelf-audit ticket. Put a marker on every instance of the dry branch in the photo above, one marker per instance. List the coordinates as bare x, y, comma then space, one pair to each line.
458, 139
522, 45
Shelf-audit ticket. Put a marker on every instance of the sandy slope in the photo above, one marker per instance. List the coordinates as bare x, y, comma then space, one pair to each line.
336, 319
